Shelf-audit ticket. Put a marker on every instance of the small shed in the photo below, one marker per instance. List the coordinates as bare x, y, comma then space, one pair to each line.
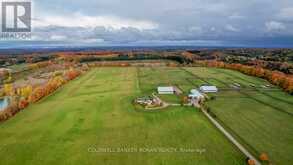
166, 90
208, 89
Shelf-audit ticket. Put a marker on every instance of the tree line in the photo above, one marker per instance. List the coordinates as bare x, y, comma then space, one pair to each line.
21, 97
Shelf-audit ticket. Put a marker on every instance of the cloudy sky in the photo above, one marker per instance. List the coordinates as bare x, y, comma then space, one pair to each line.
164, 22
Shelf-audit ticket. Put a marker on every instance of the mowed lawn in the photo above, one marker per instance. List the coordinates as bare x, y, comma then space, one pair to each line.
262, 118
95, 112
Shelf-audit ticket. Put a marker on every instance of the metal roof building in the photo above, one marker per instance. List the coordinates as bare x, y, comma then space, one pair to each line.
208, 89
166, 90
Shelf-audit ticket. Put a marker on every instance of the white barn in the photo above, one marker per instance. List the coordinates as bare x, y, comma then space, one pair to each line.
208, 89
166, 90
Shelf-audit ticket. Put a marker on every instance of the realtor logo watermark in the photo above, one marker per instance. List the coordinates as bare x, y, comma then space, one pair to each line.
16, 20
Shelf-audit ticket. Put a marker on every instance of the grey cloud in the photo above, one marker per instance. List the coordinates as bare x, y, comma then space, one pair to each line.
185, 20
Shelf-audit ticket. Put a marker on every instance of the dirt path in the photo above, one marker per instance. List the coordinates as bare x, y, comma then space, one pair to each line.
231, 138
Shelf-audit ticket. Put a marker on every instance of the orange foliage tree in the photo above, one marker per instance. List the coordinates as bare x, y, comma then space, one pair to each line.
251, 162
37, 94
27, 94
72, 74
42, 91
23, 103
264, 157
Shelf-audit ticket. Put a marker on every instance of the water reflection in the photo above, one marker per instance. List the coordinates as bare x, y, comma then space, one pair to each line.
4, 102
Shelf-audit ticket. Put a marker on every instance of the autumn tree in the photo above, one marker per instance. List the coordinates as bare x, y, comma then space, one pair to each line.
264, 157
25, 91
251, 162
23, 103
288, 85
37, 94
8, 89
72, 74
184, 100
278, 78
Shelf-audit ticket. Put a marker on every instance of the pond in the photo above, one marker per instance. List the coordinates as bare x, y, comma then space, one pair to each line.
4, 102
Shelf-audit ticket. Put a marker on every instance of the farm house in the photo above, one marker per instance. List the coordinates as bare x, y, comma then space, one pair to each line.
195, 94
208, 89
166, 90
195, 97
148, 101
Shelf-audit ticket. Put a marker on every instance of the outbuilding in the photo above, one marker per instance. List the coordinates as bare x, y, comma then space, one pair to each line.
208, 89
195, 94
166, 90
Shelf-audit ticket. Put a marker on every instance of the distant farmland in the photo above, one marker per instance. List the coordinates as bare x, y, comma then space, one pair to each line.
96, 111
261, 117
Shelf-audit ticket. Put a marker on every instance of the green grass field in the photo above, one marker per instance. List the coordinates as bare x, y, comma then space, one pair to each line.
18, 67
95, 111
262, 118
